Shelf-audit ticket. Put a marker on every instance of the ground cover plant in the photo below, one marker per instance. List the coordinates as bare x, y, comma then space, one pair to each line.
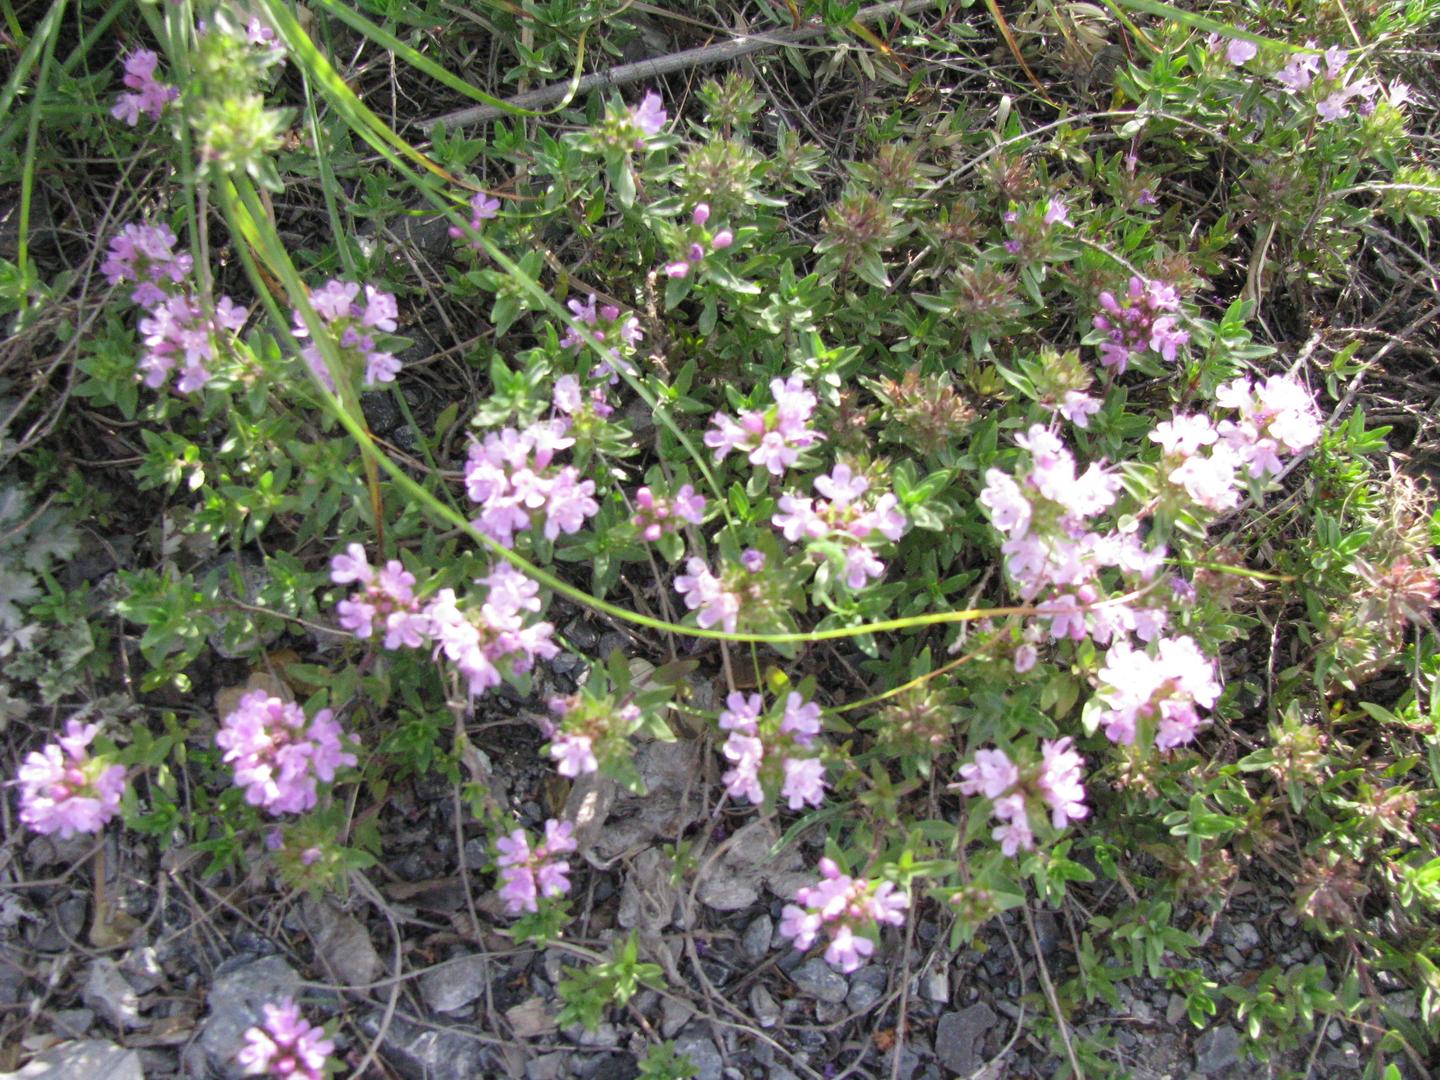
909, 551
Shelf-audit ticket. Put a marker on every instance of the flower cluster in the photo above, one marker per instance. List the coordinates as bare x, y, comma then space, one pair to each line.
385, 600
178, 331
483, 208
526, 875
487, 643
286, 1045
1237, 51
352, 327
64, 790
774, 750
278, 755
1276, 417
771, 437
655, 515
1340, 86
1054, 553
586, 722
615, 331
512, 476
1055, 783
696, 252
571, 401
848, 910
1143, 692
841, 514
1142, 319
148, 95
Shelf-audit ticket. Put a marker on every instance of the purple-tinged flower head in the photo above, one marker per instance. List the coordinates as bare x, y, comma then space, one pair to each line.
285, 1045
706, 594
1056, 782
1077, 407
1236, 51
512, 475
574, 754
753, 560
278, 755
483, 208
257, 33
570, 400
649, 116
656, 515
1300, 71
350, 326
64, 790
849, 911
1056, 212
586, 729
528, 875
843, 514
1158, 689
700, 214
385, 603
489, 641
149, 96
1061, 782
1139, 321
722, 240
615, 331
1183, 435
1277, 416
773, 437
179, 333
145, 254
774, 750
677, 270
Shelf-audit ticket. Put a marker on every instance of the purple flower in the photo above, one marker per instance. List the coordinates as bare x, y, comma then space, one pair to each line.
286, 1045
150, 96
146, 254
1056, 210
772, 438
657, 515
1162, 689
991, 774
349, 324
511, 475
702, 591
1137, 322
1078, 407
526, 875
278, 755
179, 333
722, 240
649, 116
804, 782
1238, 51
849, 910
64, 790
1060, 782
486, 643
483, 208
575, 754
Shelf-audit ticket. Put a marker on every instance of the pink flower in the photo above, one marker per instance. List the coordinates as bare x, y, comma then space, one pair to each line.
349, 325
483, 208
772, 438
575, 753
150, 96
743, 781
991, 774
64, 790
145, 254
702, 591
1056, 210
1163, 688
286, 1045
512, 475
804, 782
849, 910
1013, 833
1060, 782
526, 875
741, 712
278, 755
649, 116
1078, 407
1138, 321
722, 240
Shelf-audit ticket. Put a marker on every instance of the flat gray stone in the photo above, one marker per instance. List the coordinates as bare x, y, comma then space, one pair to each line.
695, 1044
763, 1007
90, 1059
1216, 1049
454, 985
960, 1037
817, 979
107, 992
417, 1052
755, 942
